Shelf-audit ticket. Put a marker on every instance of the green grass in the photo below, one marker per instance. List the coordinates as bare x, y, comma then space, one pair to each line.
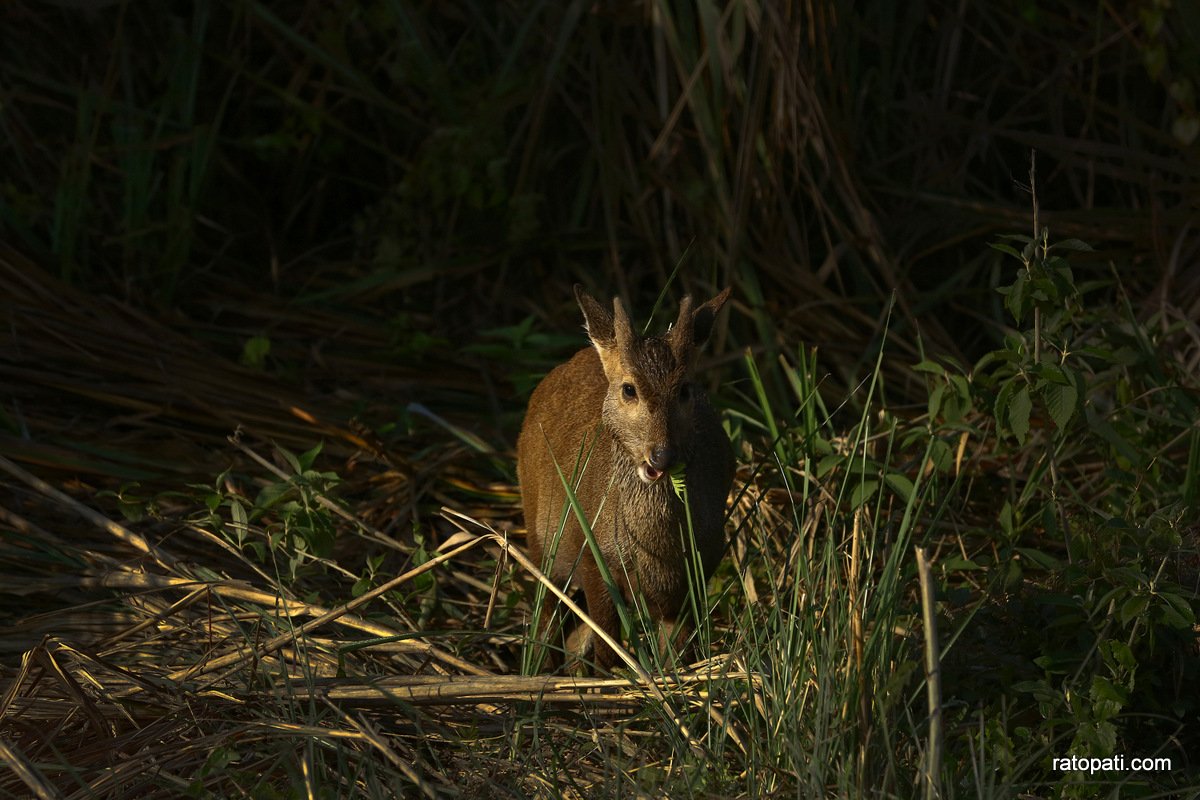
814, 683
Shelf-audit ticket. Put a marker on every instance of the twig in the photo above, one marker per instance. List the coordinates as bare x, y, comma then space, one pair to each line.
643, 676
136, 540
933, 678
333, 614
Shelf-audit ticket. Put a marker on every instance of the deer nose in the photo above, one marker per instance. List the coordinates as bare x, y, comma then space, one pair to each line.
662, 457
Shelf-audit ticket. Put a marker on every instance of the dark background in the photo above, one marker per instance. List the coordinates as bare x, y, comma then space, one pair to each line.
445, 168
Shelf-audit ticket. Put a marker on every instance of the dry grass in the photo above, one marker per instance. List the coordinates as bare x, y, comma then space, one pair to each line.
153, 656
133, 695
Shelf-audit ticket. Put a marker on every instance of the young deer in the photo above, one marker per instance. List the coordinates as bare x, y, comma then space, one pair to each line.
614, 419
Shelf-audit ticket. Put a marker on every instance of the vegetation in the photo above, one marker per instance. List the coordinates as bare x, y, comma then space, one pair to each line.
277, 279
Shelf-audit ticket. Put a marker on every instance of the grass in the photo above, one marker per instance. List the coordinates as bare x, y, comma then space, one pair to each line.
300, 665
278, 279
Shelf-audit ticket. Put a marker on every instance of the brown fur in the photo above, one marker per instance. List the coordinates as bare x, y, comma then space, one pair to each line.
582, 417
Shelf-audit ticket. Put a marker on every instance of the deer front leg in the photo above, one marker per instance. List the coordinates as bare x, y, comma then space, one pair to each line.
547, 634
603, 611
673, 640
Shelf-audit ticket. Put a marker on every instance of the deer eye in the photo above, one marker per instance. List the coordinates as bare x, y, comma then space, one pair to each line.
628, 391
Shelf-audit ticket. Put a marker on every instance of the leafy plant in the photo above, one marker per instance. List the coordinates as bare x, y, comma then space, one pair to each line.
1075, 384
285, 523
1036, 364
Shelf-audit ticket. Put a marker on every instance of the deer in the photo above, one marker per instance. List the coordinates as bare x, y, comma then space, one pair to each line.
614, 421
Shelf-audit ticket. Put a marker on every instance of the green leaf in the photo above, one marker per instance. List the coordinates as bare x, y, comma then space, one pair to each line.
935, 401
958, 402
940, 455
1059, 270
900, 484
1046, 290
1004, 248
828, 463
1104, 689
255, 352
1077, 245
1018, 414
962, 386
959, 564
240, 522
954, 407
1017, 300
1012, 575
1049, 373
1073, 379
1180, 613
1040, 558
291, 459
1060, 403
1107, 699
309, 456
1132, 608
932, 367
863, 492
1152, 19
1006, 519
678, 476
1119, 653
1000, 405
1169, 616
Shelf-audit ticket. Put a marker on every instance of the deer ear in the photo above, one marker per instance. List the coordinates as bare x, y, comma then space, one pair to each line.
597, 320
680, 335
621, 327
705, 315
609, 332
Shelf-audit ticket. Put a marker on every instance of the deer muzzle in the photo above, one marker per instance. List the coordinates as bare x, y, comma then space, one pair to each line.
659, 459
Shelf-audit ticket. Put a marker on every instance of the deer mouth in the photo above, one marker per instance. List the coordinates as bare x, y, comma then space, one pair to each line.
648, 473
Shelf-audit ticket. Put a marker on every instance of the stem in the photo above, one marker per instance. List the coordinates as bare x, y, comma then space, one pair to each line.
1037, 335
1033, 191
1037, 312
933, 677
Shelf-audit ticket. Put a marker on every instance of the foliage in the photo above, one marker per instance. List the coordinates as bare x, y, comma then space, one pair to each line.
1084, 385
285, 525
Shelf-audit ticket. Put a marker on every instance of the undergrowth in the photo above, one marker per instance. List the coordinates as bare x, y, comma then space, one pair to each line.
1053, 484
